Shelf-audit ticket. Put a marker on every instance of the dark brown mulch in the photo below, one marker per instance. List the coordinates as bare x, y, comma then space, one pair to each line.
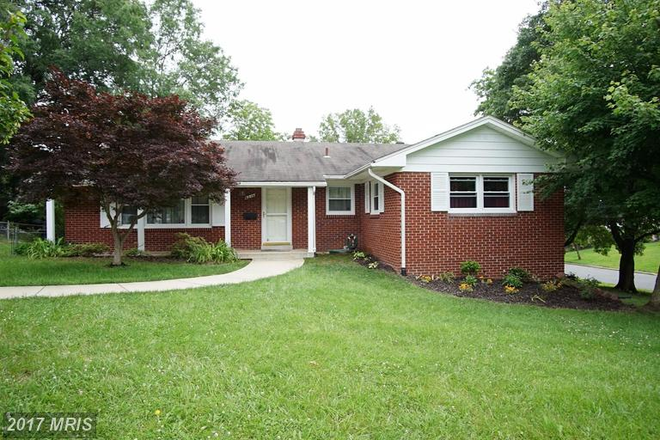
567, 296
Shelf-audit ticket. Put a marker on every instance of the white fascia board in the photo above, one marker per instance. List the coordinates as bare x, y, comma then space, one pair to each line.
276, 184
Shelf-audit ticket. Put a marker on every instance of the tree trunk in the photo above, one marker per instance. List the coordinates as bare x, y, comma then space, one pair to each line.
627, 266
655, 296
577, 250
118, 247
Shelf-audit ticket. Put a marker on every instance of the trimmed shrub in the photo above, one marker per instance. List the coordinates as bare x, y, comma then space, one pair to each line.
470, 268
85, 249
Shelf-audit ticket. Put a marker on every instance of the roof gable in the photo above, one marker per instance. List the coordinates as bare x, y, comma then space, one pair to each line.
399, 158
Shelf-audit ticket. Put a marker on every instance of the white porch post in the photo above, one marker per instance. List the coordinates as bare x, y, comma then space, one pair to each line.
140, 233
50, 220
311, 219
228, 217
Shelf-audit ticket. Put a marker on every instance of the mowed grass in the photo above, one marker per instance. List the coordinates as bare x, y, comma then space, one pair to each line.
648, 262
21, 271
330, 351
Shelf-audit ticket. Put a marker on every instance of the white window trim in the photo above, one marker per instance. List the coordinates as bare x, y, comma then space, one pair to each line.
381, 197
480, 195
186, 225
327, 200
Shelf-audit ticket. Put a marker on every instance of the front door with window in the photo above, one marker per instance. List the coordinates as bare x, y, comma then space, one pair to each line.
276, 218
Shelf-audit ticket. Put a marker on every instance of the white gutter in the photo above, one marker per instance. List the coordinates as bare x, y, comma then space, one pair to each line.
403, 216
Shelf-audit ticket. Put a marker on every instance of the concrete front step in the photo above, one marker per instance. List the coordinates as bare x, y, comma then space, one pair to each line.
245, 254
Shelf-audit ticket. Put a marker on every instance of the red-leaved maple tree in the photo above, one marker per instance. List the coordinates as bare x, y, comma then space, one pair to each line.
120, 150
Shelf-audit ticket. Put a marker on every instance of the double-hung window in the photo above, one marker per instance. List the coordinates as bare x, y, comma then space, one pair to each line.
340, 200
170, 215
481, 193
128, 214
377, 198
200, 210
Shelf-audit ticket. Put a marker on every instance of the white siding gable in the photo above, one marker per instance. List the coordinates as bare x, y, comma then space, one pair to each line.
481, 150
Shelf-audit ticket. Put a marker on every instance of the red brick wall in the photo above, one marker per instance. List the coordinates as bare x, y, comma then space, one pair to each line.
438, 242
299, 217
82, 225
245, 234
381, 234
332, 230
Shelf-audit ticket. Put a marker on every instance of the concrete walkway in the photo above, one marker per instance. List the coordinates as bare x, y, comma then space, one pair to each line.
642, 280
255, 270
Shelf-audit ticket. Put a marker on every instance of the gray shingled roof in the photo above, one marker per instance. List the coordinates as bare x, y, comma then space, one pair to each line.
266, 161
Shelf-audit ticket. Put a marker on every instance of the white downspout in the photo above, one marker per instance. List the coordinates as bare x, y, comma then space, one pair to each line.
403, 216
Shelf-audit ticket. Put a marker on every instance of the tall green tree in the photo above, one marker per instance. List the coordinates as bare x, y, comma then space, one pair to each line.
181, 62
594, 94
251, 122
495, 87
98, 41
357, 126
13, 110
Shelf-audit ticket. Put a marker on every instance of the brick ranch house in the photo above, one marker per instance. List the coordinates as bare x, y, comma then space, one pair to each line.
423, 208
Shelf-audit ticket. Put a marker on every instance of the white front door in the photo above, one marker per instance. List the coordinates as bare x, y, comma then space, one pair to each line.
276, 221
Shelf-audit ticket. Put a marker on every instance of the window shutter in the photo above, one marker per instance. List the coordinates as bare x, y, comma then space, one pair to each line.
525, 192
367, 198
104, 219
381, 193
217, 214
439, 191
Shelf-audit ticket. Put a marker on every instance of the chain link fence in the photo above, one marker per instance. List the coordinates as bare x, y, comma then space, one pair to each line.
16, 233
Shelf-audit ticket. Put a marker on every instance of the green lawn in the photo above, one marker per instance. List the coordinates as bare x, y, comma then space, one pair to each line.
648, 262
331, 351
22, 271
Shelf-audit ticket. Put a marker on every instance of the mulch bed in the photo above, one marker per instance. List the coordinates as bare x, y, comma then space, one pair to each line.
567, 296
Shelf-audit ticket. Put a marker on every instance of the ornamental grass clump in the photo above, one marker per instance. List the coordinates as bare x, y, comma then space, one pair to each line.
198, 250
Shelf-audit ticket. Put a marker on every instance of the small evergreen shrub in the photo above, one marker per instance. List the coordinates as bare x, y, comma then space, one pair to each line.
470, 268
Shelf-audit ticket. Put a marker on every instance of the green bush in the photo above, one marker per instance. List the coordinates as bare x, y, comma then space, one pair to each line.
41, 248
133, 252
198, 250
85, 249
588, 287
21, 248
471, 280
520, 273
512, 280
470, 268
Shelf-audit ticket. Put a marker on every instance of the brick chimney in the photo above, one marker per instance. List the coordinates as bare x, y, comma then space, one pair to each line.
298, 135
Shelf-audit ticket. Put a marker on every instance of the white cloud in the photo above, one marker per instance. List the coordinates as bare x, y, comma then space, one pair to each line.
412, 60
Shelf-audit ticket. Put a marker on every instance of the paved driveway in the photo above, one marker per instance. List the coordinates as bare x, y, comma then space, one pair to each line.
642, 280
